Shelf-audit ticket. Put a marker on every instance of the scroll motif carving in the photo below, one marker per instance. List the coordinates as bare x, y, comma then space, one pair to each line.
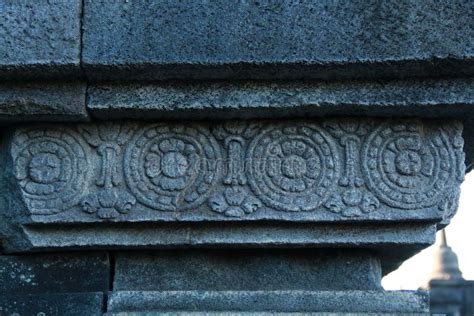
170, 168
292, 167
51, 168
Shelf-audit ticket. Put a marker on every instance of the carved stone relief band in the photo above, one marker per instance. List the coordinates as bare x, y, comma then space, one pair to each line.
310, 169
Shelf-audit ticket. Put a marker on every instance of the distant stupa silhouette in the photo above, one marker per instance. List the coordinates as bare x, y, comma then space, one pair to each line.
445, 265
450, 293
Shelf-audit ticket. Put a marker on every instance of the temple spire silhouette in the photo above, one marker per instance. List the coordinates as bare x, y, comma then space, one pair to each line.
445, 263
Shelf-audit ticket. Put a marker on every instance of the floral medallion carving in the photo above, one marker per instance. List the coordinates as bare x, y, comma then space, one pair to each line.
51, 168
450, 203
292, 167
338, 169
172, 167
409, 166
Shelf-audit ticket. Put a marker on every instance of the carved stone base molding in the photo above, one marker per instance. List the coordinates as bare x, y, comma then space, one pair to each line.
256, 282
289, 281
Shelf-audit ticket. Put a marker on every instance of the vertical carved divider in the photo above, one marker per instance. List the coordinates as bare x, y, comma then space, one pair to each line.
354, 200
110, 201
235, 200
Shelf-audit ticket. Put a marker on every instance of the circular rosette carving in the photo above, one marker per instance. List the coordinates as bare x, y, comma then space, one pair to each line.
292, 168
169, 168
50, 166
407, 169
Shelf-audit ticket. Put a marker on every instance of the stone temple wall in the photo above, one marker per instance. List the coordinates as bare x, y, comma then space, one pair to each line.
227, 157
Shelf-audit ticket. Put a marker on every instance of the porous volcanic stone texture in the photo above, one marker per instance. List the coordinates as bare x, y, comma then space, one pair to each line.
275, 40
53, 273
40, 39
257, 270
43, 102
71, 304
260, 301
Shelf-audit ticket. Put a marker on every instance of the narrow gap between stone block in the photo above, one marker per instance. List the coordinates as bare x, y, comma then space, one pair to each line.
111, 256
81, 39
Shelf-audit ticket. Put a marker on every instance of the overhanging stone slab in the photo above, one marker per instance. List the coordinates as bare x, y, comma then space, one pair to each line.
40, 39
276, 40
43, 102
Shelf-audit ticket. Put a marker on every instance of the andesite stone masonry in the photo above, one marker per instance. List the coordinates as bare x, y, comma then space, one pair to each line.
155, 159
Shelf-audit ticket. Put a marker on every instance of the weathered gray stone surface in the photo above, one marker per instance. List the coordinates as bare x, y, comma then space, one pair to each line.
183, 178
256, 270
260, 40
259, 301
427, 98
394, 243
375, 189
43, 102
310, 39
73, 304
328, 170
251, 99
40, 39
262, 314
53, 273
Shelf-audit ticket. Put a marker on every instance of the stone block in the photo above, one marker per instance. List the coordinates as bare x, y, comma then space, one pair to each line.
253, 99
401, 302
276, 39
43, 102
116, 178
40, 39
244, 270
426, 98
262, 314
53, 273
446, 296
393, 243
296, 170
76, 304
